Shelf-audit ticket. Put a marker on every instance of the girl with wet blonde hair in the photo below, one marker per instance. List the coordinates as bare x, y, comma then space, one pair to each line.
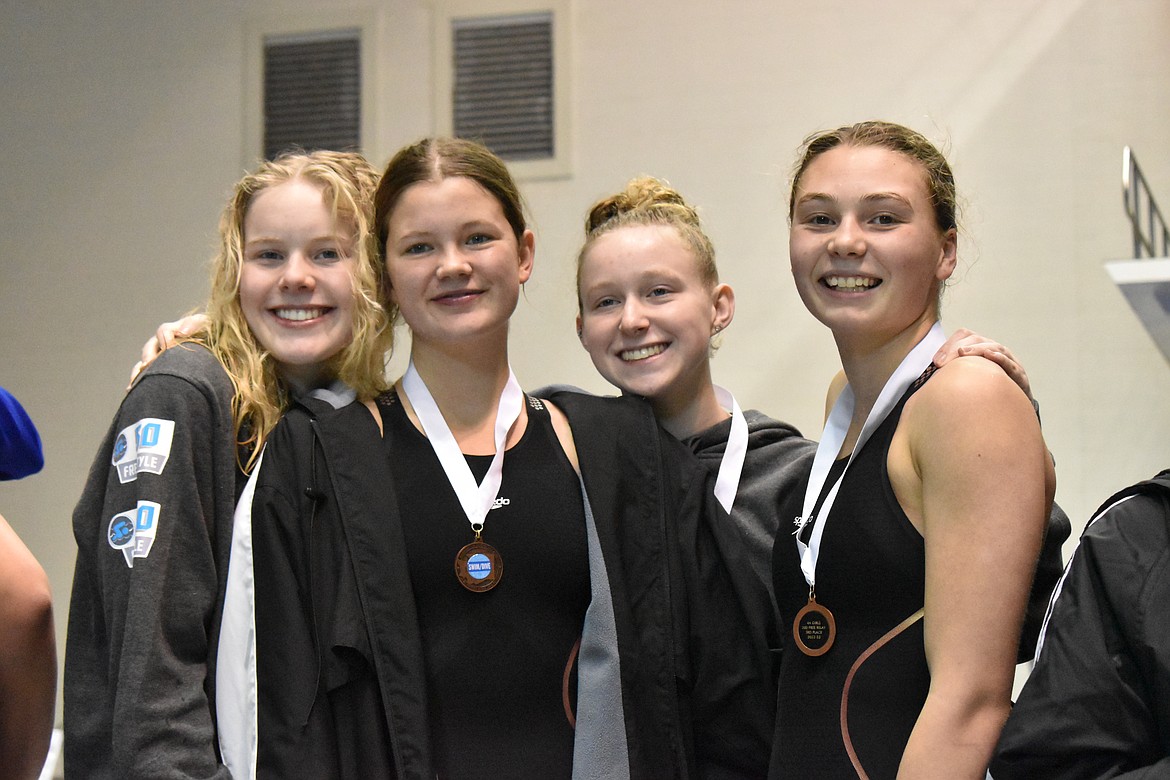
294, 309
347, 184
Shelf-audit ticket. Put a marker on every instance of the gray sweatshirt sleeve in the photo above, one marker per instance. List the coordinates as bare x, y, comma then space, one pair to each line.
146, 591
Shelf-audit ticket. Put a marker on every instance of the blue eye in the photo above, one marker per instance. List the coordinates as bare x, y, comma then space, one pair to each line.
479, 238
329, 254
658, 292
417, 249
605, 303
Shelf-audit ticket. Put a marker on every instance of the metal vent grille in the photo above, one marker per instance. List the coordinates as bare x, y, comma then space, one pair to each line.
503, 92
312, 92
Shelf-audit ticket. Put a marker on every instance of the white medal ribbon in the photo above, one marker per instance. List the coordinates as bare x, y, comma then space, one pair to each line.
833, 437
731, 464
476, 500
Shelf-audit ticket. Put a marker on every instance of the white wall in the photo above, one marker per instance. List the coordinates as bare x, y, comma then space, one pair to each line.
123, 124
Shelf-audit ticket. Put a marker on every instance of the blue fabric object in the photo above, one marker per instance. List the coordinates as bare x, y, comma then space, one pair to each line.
20, 444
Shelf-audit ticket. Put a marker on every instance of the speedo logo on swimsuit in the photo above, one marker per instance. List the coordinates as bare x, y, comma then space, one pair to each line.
499, 502
133, 532
143, 446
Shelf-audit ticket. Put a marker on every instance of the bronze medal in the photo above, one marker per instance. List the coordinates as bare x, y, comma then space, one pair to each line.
814, 628
479, 567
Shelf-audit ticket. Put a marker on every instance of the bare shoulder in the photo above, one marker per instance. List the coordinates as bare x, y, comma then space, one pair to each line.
375, 412
972, 420
969, 408
835, 388
966, 387
564, 432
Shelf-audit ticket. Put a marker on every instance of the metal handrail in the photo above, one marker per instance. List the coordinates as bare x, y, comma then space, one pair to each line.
1150, 233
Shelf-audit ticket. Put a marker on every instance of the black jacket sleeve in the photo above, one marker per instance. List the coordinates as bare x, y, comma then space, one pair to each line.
336, 661
294, 738
1049, 568
731, 695
669, 546
1097, 703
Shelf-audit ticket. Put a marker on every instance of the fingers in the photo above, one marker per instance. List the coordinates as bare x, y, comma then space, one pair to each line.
963, 343
189, 326
168, 335
163, 339
966, 343
977, 345
950, 347
150, 350
134, 372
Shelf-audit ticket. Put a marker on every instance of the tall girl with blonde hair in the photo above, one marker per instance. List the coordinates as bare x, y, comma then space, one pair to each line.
918, 534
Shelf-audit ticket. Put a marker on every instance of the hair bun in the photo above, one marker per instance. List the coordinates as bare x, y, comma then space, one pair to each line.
644, 194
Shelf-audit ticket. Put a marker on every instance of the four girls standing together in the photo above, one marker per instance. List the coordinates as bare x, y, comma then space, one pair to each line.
451, 577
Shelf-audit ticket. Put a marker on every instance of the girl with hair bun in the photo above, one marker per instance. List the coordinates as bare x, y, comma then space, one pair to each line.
650, 311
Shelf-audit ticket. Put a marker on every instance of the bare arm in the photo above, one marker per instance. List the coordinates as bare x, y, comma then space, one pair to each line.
969, 466
28, 659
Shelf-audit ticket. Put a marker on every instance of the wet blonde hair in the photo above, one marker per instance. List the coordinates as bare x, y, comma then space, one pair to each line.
649, 201
347, 183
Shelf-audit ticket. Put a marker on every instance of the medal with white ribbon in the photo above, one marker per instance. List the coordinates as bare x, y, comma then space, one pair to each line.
731, 464
478, 566
814, 627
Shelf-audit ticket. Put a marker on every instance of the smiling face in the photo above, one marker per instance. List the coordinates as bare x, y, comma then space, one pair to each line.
866, 250
647, 316
296, 279
454, 262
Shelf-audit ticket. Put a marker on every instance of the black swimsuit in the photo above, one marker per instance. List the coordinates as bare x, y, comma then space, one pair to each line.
856, 704
501, 675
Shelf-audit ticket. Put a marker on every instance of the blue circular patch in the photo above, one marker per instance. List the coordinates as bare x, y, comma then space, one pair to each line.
479, 566
121, 532
119, 448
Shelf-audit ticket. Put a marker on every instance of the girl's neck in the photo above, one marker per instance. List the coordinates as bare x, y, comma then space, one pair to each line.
466, 386
301, 380
869, 365
693, 412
